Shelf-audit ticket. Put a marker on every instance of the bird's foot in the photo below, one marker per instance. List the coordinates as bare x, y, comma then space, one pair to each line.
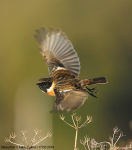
92, 91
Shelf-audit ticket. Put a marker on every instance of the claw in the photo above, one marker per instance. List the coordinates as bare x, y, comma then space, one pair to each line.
92, 91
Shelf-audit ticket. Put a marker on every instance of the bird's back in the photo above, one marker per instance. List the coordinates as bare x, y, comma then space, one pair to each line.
65, 80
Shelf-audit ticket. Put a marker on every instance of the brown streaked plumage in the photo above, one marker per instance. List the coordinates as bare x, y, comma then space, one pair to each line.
64, 68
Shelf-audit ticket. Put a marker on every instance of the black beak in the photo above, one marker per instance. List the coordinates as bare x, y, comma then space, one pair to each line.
37, 83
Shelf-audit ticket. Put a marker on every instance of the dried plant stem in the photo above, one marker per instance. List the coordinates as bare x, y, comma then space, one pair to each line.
68, 124
75, 147
35, 141
76, 127
73, 119
14, 143
76, 120
92, 144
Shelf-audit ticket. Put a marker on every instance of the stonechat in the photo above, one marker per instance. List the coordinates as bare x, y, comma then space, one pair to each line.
64, 68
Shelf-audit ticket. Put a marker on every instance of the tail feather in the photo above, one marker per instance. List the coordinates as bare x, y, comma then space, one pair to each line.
99, 80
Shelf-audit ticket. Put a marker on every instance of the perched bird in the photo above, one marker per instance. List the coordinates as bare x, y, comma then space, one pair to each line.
64, 68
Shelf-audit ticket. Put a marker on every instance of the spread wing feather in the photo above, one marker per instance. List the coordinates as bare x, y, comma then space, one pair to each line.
70, 101
54, 45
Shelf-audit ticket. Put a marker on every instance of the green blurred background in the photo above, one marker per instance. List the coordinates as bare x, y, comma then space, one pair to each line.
101, 32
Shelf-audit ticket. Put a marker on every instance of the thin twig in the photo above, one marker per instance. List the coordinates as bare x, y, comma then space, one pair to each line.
73, 118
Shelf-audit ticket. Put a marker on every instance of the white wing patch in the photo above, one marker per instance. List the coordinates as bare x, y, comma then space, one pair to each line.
60, 68
65, 91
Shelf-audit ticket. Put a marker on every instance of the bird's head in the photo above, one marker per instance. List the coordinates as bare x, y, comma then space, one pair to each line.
44, 84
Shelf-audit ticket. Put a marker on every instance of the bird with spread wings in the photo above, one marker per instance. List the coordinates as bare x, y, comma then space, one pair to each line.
64, 68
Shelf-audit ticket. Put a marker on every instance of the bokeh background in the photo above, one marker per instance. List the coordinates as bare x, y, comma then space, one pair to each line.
101, 32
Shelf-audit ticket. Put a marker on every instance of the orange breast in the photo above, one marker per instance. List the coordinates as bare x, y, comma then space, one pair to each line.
51, 93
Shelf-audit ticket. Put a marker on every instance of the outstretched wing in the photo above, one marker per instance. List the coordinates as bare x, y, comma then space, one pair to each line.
70, 101
57, 50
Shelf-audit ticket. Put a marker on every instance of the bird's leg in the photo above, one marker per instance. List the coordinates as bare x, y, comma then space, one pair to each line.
92, 91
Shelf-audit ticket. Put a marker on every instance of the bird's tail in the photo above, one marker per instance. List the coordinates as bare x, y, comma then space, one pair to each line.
99, 80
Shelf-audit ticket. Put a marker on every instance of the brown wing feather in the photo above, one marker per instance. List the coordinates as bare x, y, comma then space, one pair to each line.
70, 100
52, 62
57, 50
